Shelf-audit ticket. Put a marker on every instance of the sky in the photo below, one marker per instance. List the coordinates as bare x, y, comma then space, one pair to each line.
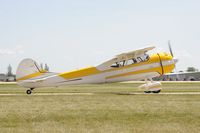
69, 35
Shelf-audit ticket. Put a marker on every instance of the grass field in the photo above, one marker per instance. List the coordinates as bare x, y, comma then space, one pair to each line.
108, 109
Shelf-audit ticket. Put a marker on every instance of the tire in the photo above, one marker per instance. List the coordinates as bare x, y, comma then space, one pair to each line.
158, 91
28, 92
147, 91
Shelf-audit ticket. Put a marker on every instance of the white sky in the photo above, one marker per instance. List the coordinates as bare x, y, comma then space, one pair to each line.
73, 34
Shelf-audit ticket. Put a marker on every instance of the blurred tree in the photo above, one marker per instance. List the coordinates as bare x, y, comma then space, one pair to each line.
41, 65
192, 69
46, 67
9, 70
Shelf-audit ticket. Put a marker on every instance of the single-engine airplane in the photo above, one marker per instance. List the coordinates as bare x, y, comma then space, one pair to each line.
135, 65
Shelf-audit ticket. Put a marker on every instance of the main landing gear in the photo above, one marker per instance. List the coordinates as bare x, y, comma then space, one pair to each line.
151, 86
29, 91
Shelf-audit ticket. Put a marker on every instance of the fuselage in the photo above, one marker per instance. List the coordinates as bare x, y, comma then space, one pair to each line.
133, 69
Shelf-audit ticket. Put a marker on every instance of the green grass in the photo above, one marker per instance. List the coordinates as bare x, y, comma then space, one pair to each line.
105, 111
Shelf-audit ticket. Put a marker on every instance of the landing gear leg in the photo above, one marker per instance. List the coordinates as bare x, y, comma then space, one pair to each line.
146, 87
29, 91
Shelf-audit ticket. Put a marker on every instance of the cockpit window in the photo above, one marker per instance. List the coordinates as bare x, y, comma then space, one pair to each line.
146, 56
115, 65
131, 61
143, 58
134, 60
122, 63
140, 59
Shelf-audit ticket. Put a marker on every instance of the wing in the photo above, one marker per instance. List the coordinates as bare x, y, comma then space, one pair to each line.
125, 56
134, 54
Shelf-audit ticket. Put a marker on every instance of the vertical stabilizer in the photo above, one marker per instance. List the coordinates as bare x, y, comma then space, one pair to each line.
26, 68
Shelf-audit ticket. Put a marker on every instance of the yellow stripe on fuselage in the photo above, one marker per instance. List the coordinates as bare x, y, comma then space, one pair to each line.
80, 73
34, 75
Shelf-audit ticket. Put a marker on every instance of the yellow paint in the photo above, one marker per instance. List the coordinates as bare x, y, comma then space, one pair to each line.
169, 68
80, 73
165, 56
32, 75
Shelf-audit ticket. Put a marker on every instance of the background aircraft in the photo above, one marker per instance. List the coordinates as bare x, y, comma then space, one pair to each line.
135, 65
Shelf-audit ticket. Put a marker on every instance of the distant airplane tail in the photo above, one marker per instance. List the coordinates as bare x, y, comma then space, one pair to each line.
28, 68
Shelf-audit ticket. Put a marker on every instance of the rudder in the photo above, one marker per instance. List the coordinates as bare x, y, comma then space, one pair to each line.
26, 68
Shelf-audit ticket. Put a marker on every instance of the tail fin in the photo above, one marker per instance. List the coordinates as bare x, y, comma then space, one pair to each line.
28, 68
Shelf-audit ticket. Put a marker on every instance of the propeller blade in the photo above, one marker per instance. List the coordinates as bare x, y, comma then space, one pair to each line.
175, 60
170, 49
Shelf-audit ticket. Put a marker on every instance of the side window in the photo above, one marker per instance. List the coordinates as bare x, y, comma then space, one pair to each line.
115, 65
139, 59
122, 63
134, 60
129, 62
146, 57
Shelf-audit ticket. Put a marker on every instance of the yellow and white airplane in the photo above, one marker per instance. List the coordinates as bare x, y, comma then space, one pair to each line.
135, 65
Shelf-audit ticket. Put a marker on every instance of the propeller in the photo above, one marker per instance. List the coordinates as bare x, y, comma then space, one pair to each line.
170, 49
175, 60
